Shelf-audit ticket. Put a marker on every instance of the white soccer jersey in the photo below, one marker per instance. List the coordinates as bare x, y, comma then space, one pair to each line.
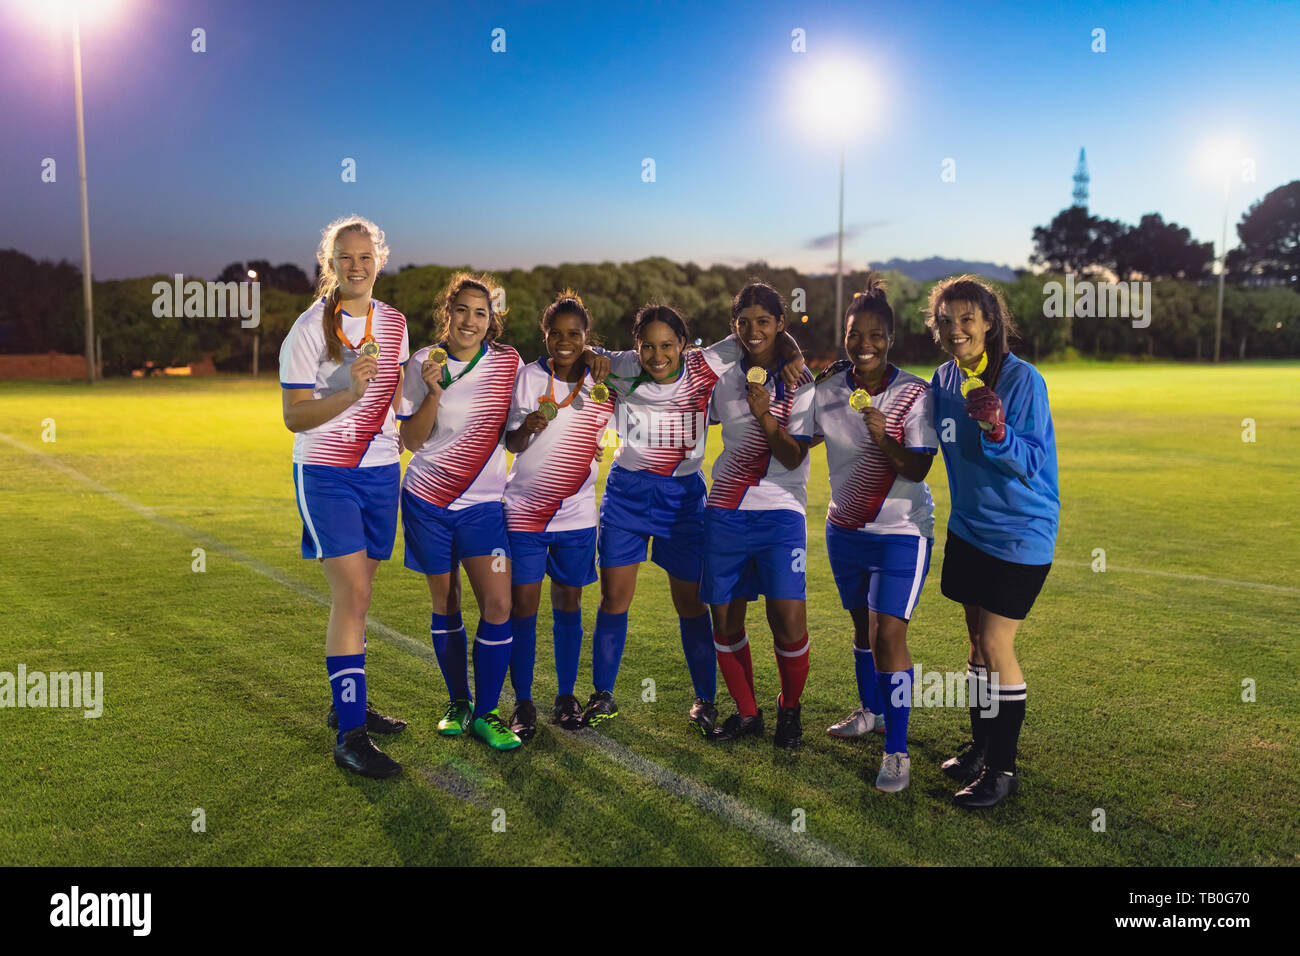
552, 485
463, 462
866, 493
746, 476
364, 434
663, 427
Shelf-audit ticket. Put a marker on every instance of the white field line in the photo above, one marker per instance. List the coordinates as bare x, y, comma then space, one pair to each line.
1183, 576
800, 846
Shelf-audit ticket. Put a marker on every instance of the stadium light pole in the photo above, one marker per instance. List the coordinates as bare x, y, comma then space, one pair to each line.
834, 99
86, 284
1218, 157
252, 274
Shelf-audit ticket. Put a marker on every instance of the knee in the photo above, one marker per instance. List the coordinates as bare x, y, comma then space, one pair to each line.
687, 606
564, 599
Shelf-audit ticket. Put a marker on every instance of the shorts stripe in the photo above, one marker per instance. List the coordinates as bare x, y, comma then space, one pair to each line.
302, 508
918, 578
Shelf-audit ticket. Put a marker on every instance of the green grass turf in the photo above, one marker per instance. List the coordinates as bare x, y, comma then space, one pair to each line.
215, 691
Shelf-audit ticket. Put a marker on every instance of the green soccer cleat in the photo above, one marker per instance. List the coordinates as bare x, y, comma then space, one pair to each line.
457, 718
492, 730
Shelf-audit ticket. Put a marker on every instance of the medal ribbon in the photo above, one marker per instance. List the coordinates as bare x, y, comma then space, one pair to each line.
979, 369
550, 393
367, 337
447, 380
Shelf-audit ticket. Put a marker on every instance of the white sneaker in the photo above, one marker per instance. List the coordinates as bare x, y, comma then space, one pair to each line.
858, 723
895, 773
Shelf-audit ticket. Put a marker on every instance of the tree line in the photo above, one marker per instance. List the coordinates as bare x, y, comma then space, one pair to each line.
1261, 312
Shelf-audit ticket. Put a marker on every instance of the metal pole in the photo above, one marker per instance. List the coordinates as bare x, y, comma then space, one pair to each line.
256, 343
839, 260
85, 205
1223, 267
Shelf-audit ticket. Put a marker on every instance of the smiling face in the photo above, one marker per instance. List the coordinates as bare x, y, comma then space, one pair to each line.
962, 328
469, 320
757, 330
565, 340
354, 264
660, 350
867, 341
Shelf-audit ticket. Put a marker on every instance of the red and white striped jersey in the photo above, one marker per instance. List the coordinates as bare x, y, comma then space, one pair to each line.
552, 485
866, 493
364, 434
663, 428
746, 476
463, 462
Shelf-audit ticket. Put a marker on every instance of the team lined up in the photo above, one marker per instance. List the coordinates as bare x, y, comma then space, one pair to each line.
348, 379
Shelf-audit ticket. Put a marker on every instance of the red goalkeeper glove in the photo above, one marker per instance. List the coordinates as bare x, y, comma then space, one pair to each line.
983, 405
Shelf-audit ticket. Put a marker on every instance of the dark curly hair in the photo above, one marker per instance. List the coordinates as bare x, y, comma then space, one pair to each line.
458, 283
973, 289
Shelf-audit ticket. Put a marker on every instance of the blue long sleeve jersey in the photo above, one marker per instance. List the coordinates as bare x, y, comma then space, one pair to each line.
1005, 498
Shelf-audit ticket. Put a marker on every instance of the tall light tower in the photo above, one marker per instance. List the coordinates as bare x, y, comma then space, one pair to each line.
1081, 180
86, 290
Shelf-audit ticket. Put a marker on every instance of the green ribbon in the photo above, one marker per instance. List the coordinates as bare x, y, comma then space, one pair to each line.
447, 380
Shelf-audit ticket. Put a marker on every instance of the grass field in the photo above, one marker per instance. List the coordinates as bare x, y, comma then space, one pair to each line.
215, 692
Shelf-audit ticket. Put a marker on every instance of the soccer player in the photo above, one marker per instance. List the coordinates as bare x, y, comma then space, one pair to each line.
755, 530
991, 411
654, 491
877, 422
340, 370
554, 430
453, 412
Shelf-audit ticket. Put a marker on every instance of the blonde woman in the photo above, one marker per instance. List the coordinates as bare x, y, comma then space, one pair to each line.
340, 370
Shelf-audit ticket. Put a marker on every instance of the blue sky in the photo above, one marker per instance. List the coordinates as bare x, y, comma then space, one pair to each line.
534, 155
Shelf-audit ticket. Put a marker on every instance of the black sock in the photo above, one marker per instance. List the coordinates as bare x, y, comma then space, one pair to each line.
1004, 737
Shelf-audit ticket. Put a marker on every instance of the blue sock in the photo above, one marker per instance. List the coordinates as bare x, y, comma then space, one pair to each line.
896, 687
864, 665
701, 658
607, 642
523, 655
449, 645
491, 660
568, 645
347, 674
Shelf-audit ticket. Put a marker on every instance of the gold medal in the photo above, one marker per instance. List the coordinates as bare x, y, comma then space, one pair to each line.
860, 399
438, 355
969, 384
371, 347
757, 375
600, 392
549, 410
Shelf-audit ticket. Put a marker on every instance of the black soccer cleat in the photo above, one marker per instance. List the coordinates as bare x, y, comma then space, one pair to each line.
376, 723
704, 716
989, 789
524, 720
600, 707
968, 763
738, 726
358, 753
789, 728
567, 712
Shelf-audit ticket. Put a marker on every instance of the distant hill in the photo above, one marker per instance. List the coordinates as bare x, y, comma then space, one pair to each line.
923, 270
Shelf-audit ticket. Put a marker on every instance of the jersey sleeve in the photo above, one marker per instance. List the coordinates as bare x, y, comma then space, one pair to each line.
521, 403
720, 356
803, 411
413, 388
1028, 439
918, 424
300, 357
404, 353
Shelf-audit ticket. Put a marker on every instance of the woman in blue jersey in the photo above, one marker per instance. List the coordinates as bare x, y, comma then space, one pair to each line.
991, 412
880, 442
654, 491
554, 430
756, 532
455, 401
340, 371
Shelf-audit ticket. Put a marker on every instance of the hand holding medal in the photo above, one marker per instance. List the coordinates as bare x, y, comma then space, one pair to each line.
756, 392
982, 403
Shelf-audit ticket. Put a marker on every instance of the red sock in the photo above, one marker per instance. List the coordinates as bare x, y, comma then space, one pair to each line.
793, 665
737, 670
